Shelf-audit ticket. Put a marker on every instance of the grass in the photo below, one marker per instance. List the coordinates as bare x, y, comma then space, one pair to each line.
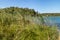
14, 26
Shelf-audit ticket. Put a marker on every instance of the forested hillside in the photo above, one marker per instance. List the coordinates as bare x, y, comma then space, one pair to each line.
51, 14
24, 24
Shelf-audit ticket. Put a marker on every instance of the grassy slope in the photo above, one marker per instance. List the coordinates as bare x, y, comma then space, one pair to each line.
14, 25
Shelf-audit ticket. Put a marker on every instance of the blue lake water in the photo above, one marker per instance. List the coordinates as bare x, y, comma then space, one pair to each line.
53, 20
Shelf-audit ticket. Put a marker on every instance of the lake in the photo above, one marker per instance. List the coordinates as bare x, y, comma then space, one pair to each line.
52, 20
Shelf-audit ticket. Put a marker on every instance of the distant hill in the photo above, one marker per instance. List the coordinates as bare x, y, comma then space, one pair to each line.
50, 14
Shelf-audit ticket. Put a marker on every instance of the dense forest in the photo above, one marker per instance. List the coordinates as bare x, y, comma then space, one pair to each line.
24, 24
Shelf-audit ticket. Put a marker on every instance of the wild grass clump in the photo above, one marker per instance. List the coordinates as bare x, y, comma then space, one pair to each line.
14, 26
28, 32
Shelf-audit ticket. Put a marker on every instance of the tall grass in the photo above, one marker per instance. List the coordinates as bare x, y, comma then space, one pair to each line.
15, 27
28, 32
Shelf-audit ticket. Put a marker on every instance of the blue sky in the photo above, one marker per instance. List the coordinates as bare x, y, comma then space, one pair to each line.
41, 6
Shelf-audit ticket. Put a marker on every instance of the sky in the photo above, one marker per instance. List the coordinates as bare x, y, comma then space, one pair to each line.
42, 6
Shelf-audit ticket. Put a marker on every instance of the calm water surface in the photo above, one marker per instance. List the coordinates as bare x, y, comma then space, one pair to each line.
52, 20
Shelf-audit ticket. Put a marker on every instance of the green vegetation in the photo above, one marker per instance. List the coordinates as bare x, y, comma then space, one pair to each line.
24, 24
50, 14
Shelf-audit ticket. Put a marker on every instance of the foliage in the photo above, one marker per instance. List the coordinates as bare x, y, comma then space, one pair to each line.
14, 25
